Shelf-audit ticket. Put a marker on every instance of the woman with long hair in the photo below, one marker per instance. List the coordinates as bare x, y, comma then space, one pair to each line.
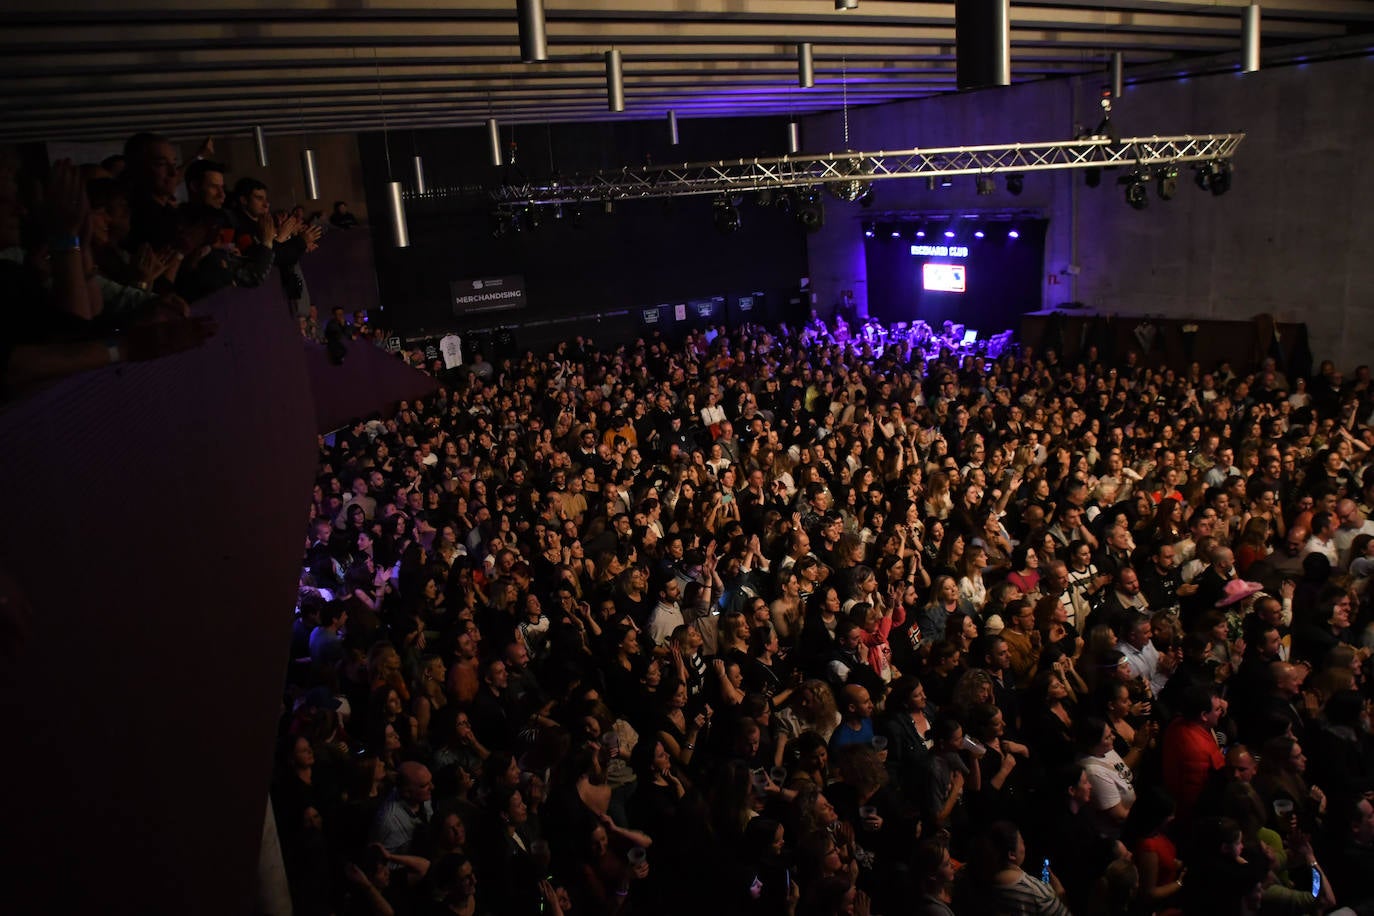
945, 601
1049, 723
427, 693
1145, 835
1281, 779
810, 708
1025, 569
971, 566
1003, 886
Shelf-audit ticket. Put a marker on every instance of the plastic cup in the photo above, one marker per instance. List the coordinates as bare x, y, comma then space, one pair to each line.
778, 775
636, 856
867, 811
1283, 809
879, 743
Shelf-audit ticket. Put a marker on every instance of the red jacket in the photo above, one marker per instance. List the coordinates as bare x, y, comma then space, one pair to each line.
1190, 755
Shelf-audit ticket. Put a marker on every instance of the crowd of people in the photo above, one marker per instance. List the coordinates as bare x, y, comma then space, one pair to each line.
103, 261
743, 624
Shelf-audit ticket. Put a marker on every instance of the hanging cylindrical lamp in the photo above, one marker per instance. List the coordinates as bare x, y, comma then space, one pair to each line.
494, 141
672, 127
400, 235
1118, 74
420, 186
1250, 38
534, 45
982, 43
793, 138
260, 146
806, 66
312, 181
846, 4
615, 81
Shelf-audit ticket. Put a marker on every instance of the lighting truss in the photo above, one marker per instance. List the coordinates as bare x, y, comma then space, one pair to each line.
735, 176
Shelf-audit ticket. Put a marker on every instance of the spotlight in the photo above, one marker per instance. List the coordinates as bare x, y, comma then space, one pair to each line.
985, 185
1137, 195
946, 181
978, 234
1221, 177
1013, 234
1092, 176
920, 233
725, 216
846, 4
1015, 183
1168, 183
1202, 176
949, 233
498, 224
896, 234
810, 209
868, 230
534, 217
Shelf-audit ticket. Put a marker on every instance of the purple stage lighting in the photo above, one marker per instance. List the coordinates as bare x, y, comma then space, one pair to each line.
920, 233
949, 233
978, 234
1013, 234
896, 234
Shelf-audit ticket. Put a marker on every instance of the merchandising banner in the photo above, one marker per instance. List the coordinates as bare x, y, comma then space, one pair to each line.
483, 295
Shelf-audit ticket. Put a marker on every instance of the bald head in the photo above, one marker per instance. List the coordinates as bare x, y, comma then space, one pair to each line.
414, 783
1241, 763
857, 702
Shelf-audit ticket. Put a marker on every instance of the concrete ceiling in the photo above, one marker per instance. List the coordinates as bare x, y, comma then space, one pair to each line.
98, 69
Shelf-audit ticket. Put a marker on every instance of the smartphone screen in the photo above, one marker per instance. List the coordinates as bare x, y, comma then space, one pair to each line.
1045, 870
1316, 883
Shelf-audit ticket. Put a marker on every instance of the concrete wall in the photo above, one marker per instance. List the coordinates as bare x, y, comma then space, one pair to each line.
1289, 239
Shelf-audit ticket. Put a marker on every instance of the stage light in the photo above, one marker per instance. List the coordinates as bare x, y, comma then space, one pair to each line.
1013, 234
949, 233
1092, 177
810, 209
846, 4
1015, 183
978, 234
1168, 183
1137, 195
725, 215
920, 233
1221, 177
985, 185
868, 231
896, 234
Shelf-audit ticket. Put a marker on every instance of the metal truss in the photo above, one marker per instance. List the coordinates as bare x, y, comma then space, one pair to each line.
848, 171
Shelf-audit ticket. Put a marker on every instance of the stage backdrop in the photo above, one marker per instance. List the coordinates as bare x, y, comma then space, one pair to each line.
912, 276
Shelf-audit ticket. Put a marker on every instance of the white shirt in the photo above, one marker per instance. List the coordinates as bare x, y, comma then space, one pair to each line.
1325, 548
1145, 662
1112, 781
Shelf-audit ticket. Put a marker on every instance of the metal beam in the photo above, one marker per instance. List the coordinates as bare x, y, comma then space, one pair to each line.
691, 179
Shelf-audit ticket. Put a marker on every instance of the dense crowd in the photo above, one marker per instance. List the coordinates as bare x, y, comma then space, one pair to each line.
776, 622
743, 624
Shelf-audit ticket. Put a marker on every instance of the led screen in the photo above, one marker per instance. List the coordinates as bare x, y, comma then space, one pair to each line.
944, 278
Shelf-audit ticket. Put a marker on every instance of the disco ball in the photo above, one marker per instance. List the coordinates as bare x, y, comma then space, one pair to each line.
850, 190
855, 186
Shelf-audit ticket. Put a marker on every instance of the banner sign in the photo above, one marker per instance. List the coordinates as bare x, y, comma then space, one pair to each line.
487, 294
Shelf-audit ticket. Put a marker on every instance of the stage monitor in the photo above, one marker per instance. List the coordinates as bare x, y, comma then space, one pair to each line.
944, 278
